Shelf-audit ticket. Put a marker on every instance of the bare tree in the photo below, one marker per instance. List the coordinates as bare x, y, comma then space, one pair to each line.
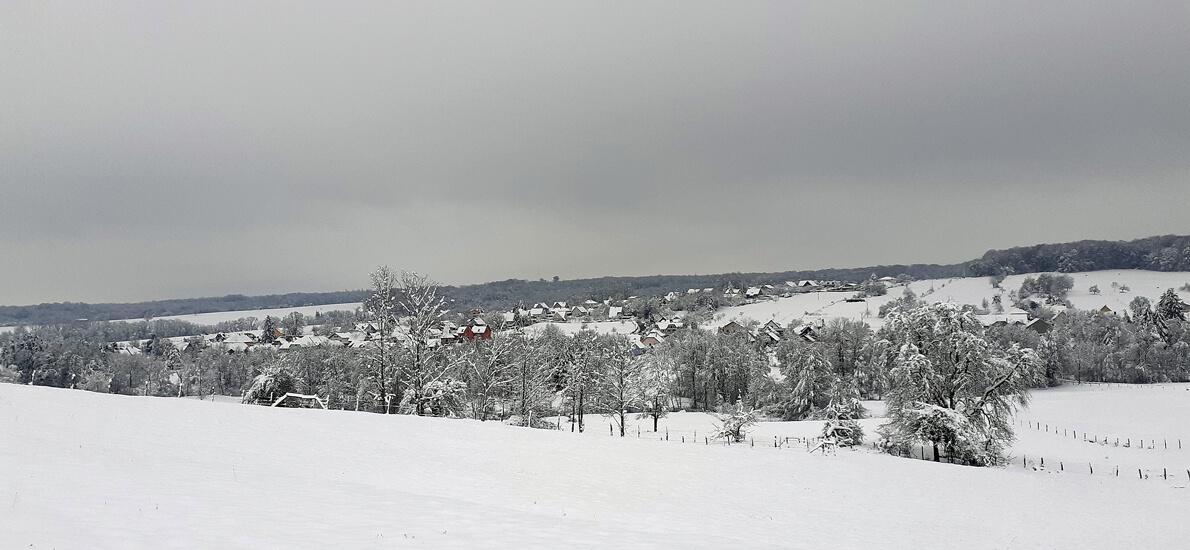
381, 310
531, 376
657, 382
489, 369
425, 370
620, 380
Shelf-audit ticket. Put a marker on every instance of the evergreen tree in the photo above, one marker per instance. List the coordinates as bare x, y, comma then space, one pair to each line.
808, 377
1170, 306
268, 329
842, 428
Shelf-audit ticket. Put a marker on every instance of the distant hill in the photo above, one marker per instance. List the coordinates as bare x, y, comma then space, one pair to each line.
1162, 253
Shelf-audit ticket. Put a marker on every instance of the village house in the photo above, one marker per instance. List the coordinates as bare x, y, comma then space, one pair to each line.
477, 329
732, 327
1040, 326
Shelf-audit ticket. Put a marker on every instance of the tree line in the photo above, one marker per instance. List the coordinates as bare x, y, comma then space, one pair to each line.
1164, 253
947, 381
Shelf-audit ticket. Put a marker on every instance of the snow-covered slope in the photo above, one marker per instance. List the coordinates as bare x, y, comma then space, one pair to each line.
814, 306
84, 470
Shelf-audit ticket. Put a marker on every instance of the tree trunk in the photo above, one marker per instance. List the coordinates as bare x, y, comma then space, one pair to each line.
580, 411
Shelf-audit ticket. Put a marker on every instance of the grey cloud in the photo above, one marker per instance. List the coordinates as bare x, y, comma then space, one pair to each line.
154, 150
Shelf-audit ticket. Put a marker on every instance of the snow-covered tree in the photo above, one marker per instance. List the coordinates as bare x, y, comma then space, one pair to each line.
424, 369
382, 312
489, 370
842, 428
1140, 307
530, 390
657, 381
620, 385
293, 324
736, 423
268, 329
808, 378
951, 387
578, 369
1170, 306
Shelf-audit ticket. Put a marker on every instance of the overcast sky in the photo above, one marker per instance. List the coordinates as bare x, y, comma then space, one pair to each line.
178, 149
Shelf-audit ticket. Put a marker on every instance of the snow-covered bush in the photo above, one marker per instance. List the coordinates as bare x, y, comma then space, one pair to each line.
443, 397
736, 424
268, 386
908, 300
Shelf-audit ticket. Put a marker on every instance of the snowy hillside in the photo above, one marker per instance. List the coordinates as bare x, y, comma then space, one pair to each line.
87, 470
814, 306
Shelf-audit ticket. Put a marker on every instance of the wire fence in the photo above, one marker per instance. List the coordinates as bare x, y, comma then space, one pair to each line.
1038, 464
1152, 443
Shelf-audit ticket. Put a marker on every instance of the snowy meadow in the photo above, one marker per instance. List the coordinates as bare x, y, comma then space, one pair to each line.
142, 472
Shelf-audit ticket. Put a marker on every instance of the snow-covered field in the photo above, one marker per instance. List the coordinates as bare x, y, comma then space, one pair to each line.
1052, 427
85, 470
1131, 427
814, 306
221, 316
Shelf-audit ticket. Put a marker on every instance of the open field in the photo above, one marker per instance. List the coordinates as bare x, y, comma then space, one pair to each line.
259, 314
221, 316
86, 470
